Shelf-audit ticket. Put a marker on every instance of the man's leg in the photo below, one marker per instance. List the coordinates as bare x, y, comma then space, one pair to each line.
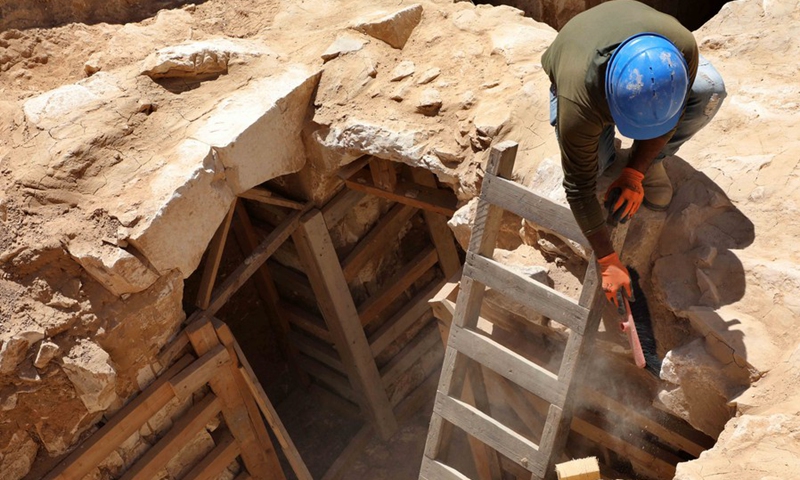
705, 99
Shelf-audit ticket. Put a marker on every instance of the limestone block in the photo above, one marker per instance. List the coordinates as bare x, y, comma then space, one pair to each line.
89, 369
394, 28
115, 268
395, 142
197, 58
698, 393
430, 102
402, 70
429, 75
47, 350
342, 45
255, 132
17, 456
461, 222
187, 201
12, 353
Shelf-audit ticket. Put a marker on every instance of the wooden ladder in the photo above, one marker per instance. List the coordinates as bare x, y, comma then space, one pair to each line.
467, 348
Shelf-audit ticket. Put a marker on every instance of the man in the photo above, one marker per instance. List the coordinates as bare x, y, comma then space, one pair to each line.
623, 63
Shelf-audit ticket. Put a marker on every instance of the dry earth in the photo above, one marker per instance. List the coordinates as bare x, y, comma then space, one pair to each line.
122, 145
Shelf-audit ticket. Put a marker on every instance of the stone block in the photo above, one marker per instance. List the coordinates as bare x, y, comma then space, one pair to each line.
17, 456
394, 28
12, 353
89, 369
402, 70
209, 57
115, 268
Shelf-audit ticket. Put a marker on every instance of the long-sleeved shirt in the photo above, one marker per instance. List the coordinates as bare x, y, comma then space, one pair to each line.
576, 63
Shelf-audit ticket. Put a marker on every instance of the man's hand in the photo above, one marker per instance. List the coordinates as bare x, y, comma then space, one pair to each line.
615, 277
625, 195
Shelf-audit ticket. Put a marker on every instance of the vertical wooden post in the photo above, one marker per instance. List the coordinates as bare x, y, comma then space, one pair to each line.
213, 259
383, 173
437, 226
335, 301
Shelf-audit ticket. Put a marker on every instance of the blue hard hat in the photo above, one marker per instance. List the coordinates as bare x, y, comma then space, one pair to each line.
646, 84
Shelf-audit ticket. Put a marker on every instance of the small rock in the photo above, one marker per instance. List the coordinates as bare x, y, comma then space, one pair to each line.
342, 45
394, 28
47, 351
94, 64
29, 374
402, 70
12, 353
448, 156
9, 402
709, 292
399, 93
428, 76
467, 100
89, 369
705, 256
430, 102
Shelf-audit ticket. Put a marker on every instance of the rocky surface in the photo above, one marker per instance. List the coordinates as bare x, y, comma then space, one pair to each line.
122, 146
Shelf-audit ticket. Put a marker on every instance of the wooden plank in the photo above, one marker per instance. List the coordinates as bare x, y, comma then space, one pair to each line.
335, 210
486, 459
396, 285
175, 348
383, 173
292, 284
635, 454
252, 263
213, 259
580, 469
522, 201
403, 319
355, 166
405, 358
434, 470
320, 351
216, 460
441, 235
289, 449
333, 379
200, 372
306, 321
155, 459
257, 451
594, 398
248, 240
489, 431
128, 420
374, 244
432, 199
508, 363
336, 304
263, 195
527, 291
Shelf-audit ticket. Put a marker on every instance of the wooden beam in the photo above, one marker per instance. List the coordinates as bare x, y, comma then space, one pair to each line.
335, 210
289, 449
257, 451
441, 235
213, 259
374, 244
252, 263
168, 354
127, 421
263, 195
426, 198
307, 321
435, 470
292, 284
182, 431
316, 250
199, 372
383, 173
320, 351
216, 460
404, 319
405, 358
335, 381
396, 285
267, 291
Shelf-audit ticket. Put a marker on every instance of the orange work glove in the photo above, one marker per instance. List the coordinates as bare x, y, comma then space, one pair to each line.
625, 195
616, 279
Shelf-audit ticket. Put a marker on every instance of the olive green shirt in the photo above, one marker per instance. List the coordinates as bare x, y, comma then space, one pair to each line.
575, 63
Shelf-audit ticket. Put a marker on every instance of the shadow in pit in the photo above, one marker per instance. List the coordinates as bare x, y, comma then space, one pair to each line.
178, 85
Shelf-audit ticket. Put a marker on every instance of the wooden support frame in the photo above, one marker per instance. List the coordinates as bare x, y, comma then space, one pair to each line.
213, 259
264, 195
413, 194
316, 251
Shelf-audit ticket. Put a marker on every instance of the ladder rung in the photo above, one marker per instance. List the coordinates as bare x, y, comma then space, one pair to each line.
489, 431
509, 364
524, 202
433, 470
540, 297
